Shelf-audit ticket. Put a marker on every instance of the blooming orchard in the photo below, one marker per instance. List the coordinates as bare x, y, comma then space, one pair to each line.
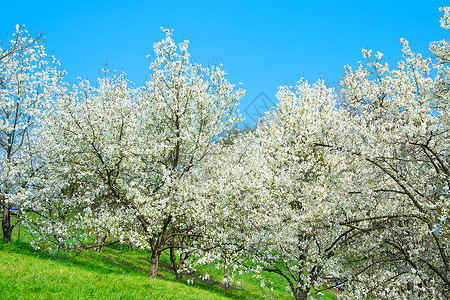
343, 189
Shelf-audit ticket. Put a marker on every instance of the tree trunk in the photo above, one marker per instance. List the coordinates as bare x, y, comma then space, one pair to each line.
226, 277
157, 246
154, 260
18, 232
6, 223
176, 266
301, 295
100, 242
179, 275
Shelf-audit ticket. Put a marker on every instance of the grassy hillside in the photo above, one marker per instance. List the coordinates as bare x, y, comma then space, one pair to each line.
116, 273
24, 276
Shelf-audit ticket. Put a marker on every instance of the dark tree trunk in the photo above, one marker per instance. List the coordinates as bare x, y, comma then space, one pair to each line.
176, 266
7, 227
157, 245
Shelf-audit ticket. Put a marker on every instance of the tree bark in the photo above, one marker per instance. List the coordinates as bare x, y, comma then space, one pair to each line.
177, 267
18, 232
154, 261
301, 295
226, 276
100, 242
6, 223
157, 245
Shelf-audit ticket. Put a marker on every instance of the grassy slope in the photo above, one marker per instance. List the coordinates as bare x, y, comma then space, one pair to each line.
116, 273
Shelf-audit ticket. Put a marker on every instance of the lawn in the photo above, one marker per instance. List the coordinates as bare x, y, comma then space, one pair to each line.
117, 273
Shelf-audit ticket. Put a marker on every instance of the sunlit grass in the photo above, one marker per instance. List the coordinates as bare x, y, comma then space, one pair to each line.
117, 273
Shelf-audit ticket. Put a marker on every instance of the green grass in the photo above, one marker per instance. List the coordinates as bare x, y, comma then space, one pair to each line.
29, 275
116, 273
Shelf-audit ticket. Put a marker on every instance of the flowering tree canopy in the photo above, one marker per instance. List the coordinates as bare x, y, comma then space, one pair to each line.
128, 155
29, 79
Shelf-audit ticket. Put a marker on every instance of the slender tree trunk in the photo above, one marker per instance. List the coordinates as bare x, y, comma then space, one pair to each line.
100, 241
226, 275
18, 232
6, 223
177, 266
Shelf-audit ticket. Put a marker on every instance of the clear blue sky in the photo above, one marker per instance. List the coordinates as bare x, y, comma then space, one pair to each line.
263, 44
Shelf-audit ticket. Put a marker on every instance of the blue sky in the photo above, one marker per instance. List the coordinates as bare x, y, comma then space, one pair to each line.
263, 44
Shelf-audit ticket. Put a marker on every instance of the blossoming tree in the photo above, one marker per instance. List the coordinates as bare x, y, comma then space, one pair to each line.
28, 81
399, 131
132, 153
